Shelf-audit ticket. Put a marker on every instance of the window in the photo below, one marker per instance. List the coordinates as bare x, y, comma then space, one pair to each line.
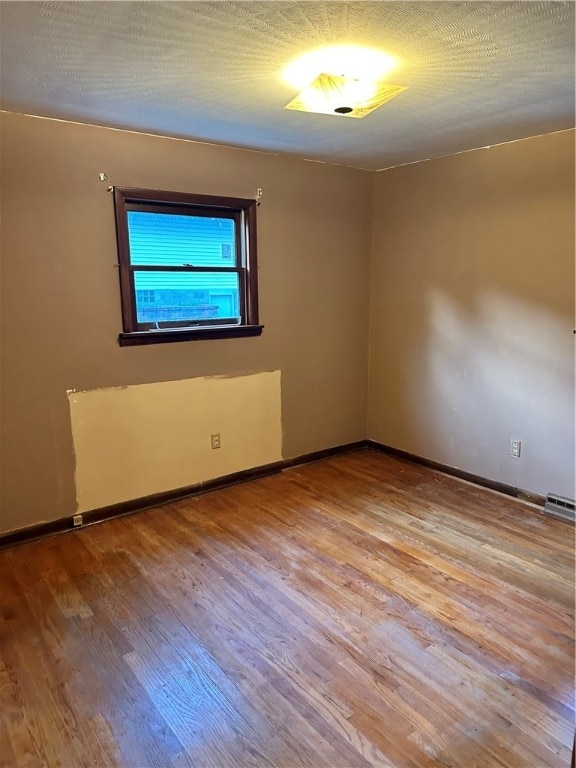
187, 266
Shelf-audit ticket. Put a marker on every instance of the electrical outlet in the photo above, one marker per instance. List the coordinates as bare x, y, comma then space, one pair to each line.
515, 448
77, 520
215, 440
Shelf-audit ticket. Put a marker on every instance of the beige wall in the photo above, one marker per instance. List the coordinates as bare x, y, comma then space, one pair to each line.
472, 300
472, 311
61, 306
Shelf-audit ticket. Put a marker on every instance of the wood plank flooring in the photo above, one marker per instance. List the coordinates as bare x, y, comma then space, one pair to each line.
360, 611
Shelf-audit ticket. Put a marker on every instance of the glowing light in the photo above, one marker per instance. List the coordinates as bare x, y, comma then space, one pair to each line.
359, 62
344, 96
335, 92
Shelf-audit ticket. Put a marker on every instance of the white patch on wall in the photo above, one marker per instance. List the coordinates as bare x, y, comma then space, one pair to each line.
148, 438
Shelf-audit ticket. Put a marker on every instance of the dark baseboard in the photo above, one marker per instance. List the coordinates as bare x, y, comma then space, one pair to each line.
461, 474
43, 530
35, 532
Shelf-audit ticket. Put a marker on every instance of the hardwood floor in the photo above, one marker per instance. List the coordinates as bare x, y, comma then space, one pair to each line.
358, 611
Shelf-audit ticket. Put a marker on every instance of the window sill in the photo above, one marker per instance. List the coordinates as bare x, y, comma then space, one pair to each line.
188, 334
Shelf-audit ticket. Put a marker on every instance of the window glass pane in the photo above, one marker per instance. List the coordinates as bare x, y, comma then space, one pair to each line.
169, 298
172, 240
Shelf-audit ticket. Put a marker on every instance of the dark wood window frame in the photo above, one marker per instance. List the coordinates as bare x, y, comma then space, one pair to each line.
241, 210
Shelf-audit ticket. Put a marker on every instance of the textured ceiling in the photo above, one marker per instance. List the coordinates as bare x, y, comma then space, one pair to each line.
478, 73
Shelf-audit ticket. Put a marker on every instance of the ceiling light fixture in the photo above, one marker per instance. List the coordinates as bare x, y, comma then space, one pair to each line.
332, 95
341, 80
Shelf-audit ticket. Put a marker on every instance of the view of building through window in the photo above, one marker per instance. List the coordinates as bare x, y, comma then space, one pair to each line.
171, 240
